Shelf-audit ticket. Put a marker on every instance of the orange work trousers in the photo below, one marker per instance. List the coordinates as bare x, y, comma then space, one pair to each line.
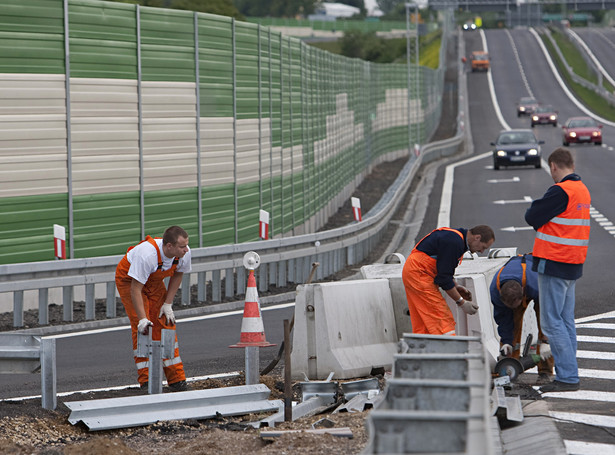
153, 294
429, 312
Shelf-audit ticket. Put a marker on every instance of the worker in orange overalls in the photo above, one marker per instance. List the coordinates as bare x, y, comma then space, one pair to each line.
139, 279
430, 266
512, 288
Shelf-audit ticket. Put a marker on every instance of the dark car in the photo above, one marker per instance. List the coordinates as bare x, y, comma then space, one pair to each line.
582, 129
526, 106
544, 115
516, 148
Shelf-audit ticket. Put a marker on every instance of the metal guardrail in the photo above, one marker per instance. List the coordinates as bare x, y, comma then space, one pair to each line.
28, 354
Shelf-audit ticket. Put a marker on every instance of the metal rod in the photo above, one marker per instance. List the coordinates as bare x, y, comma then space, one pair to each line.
288, 393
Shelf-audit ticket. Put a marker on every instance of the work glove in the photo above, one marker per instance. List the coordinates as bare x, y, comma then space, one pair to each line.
506, 350
167, 310
469, 307
545, 351
144, 325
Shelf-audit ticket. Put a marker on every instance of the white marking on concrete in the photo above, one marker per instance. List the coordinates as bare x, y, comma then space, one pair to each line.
517, 228
597, 325
588, 448
512, 180
586, 373
585, 395
589, 419
596, 355
591, 339
179, 321
595, 317
525, 200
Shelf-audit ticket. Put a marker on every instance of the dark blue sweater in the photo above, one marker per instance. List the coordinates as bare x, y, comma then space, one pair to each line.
501, 313
552, 204
446, 247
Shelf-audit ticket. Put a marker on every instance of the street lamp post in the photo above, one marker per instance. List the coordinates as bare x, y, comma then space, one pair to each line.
416, 51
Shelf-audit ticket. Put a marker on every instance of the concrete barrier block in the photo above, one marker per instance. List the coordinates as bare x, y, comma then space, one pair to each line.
347, 328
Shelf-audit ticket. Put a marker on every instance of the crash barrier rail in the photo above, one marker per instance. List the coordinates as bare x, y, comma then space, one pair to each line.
437, 400
608, 96
29, 354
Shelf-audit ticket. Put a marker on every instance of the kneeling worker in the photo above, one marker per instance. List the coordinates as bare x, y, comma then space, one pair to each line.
139, 278
430, 266
511, 289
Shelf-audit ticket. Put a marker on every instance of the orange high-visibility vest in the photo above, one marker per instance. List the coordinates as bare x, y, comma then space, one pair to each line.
565, 238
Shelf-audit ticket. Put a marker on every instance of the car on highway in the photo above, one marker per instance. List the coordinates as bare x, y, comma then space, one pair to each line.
526, 106
581, 129
469, 26
544, 115
518, 147
479, 61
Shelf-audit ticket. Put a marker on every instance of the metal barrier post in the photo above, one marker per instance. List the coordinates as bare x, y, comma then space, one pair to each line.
48, 373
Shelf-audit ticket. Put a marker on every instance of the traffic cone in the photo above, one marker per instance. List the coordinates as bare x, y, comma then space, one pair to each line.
252, 329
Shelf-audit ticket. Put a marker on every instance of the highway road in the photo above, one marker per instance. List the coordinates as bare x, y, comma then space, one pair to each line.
483, 195
480, 195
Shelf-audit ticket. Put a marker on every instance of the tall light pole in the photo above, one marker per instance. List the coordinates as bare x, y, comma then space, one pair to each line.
408, 6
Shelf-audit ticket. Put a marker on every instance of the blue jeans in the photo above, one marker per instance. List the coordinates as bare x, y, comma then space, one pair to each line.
557, 323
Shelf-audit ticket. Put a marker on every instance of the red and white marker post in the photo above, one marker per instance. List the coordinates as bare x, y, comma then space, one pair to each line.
356, 208
263, 225
59, 241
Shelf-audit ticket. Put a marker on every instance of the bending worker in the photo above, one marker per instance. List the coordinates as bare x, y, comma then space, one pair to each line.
512, 289
149, 304
430, 266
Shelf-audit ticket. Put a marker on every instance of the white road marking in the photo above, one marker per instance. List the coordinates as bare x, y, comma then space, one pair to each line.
517, 228
597, 325
590, 339
588, 448
595, 355
525, 200
585, 395
595, 317
586, 373
589, 419
512, 180
179, 321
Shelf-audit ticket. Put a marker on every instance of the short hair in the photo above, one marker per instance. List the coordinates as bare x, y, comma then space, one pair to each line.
485, 232
172, 234
562, 157
510, 292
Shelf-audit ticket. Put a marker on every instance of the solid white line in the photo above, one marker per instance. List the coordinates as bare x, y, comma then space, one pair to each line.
596, 355
597, 325
586, 395
179, 321
494, 99
562, 84
586, 373
589, 419
591, 339
595, 317
123, 387
588, 448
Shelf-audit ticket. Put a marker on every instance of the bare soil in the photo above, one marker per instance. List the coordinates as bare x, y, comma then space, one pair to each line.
27, 428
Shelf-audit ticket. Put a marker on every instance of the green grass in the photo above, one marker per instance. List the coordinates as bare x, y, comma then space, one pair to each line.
589, 98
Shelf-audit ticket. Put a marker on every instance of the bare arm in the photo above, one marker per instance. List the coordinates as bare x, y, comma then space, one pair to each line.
174, 282
137, 298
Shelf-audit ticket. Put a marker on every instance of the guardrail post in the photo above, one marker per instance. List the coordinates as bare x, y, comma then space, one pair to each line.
18, 309
186, 289
43, 306
111, 305
216, 286
241, 280
201, 287
90, 304
67, 303
229, 282
48, 373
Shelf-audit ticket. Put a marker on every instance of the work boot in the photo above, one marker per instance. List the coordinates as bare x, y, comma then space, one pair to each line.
180, 386
543, 378
558, 386
144, 386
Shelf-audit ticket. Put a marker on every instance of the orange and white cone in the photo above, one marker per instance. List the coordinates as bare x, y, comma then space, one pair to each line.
252, 328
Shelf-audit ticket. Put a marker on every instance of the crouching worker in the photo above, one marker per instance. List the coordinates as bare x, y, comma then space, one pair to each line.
512, 289
139, 279
430, 266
